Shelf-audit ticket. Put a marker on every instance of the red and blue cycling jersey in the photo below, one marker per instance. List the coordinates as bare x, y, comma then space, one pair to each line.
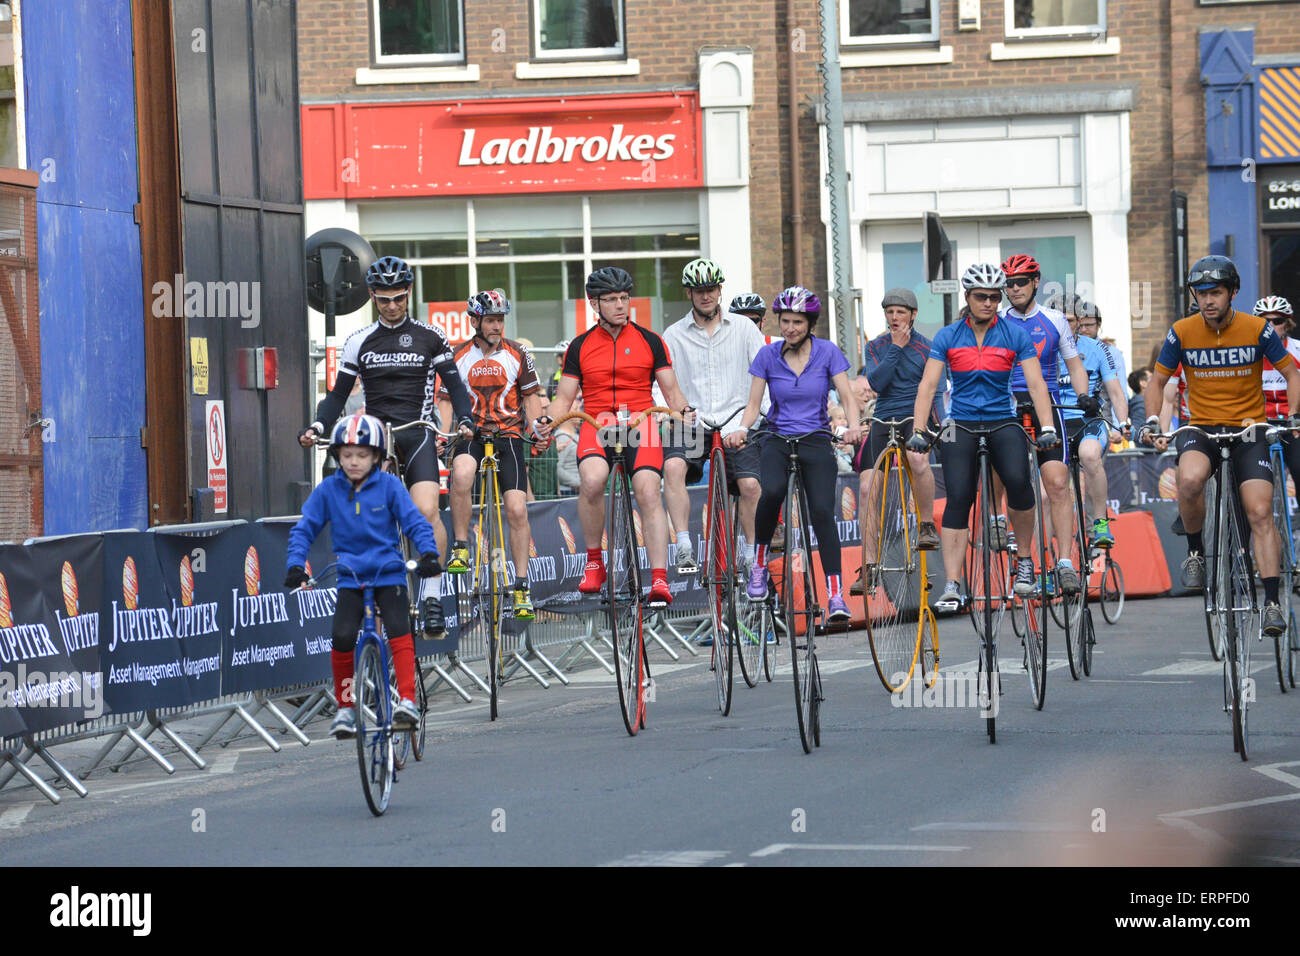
981, 373
1051, 336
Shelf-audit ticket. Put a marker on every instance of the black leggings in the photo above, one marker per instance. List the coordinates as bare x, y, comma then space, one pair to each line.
351, 608
817, 461
1010, 458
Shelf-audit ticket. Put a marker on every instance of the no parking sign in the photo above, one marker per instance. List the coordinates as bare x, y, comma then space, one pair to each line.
215, 429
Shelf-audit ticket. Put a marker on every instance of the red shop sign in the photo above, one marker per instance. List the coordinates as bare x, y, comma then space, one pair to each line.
473, 147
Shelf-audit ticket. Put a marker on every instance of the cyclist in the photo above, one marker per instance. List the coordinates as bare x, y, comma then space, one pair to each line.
980, 351
1103, 379
1089, 326
895, 362
797, 373
365, 509
707, 349
397, 360
1222, 352
751, 306
615, 363
507, 398
1051, 337
1280, 315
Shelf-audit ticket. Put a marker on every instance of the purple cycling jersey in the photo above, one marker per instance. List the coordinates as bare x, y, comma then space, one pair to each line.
798, 401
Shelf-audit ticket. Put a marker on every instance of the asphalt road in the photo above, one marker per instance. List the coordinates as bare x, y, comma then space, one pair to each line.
1131, 766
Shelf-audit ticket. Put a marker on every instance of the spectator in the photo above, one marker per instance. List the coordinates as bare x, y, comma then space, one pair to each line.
1137, 380
843, 457
566, 450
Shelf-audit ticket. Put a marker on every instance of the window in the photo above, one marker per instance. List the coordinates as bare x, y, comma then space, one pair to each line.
569, 29
1057, 258
888, 21
410, 32
1048, 18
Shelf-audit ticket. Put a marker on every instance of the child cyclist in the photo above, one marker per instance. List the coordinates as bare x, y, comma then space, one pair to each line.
366, 508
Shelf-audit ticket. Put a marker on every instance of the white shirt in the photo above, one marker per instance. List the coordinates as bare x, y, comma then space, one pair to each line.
713, 370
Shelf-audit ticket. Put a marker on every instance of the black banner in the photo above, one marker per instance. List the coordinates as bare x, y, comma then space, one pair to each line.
30, 650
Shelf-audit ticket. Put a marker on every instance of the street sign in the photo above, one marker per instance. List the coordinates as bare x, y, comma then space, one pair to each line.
944, 286
216, 442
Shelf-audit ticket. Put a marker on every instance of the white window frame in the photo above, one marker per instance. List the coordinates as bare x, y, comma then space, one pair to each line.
414, 59
1045, 33
580, 53
891, 39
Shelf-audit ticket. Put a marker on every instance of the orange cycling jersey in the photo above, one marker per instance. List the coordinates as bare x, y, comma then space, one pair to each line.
497, 383
1223, 368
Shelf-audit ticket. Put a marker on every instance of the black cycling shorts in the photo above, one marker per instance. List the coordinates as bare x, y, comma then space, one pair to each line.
876, 441
350, 608
695, 448
512, 461
1009, 456
417, 450
1250, 459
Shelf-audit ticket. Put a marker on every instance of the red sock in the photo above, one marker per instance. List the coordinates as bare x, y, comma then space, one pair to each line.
594, 554
341, 663
659, 576
832, 586
403, 649
760, 556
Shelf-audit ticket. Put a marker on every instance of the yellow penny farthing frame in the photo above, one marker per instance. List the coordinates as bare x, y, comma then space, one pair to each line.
490, 581
896, 646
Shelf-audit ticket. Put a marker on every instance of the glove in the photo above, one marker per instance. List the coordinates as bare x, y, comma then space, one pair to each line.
544, 421
1089, 406
1148, 430
296, 577
918, 443
1293, 421
428, 566
1046, 438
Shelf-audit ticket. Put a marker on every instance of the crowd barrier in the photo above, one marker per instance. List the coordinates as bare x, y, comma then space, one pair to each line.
117, 636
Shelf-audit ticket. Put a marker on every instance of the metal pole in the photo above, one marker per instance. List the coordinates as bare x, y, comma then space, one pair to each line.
846, 333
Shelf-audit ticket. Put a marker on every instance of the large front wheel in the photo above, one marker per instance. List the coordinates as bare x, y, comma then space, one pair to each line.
720, 581
799, 610
374, 726
893, 598
623, 599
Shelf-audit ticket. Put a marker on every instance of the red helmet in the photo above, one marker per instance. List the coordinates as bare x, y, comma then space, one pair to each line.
1021, 265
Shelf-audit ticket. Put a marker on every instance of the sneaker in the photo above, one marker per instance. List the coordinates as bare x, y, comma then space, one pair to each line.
778, 538
859, 586
433, 623
1101, 536
1069, 579
344, 726
593, 578
927, 537
524, 605
659, 595
1026, 580
1274, 622
836, 610
951, 600
405, 714
757, 587
998, 533
1194, 572
459, 562
685, 559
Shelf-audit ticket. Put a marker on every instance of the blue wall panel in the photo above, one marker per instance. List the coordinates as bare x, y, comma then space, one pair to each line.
81, 132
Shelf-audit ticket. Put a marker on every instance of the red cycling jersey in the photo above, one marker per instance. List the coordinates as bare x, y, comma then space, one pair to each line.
1275, 403
616, 372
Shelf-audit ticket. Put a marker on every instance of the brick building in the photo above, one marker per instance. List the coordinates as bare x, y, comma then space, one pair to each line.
1059, 127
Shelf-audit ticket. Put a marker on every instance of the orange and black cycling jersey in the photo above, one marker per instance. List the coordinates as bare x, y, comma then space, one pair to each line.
616, 372
1224, 367
497, 383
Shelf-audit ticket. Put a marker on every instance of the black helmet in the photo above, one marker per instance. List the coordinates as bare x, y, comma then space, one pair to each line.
389, 272
607, 280
749, 302
1210, 271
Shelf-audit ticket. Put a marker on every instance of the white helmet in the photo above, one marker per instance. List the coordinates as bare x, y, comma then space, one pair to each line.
983, 276
1273, 303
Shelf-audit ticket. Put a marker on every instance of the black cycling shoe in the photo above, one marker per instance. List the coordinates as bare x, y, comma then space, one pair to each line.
432, 613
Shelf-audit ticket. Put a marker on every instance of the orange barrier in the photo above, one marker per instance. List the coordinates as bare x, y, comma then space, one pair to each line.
878, 605
1138, 553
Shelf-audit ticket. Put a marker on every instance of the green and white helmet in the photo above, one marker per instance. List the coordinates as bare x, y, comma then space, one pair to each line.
701, 273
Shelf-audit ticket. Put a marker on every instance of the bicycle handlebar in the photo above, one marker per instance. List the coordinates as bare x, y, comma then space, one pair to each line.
335, 566
722, 424
633, 423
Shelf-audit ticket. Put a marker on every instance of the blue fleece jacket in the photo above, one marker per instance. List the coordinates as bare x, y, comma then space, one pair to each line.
364, 525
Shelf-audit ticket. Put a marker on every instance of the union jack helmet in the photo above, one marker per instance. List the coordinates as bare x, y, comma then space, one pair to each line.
358, 429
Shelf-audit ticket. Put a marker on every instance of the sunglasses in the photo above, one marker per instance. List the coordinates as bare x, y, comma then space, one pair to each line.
986, 297
1018, 281
397, 299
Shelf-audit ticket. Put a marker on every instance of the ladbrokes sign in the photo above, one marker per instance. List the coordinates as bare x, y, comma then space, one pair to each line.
501, 146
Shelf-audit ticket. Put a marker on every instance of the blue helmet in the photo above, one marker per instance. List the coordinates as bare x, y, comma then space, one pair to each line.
389, 272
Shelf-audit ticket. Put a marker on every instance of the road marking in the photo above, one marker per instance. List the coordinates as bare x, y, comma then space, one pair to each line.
776, 848
1273, 772
1239, 805
224, 763
13, 818
1005, 666
1114, 680
598, 675
827, 667
994, 826
1198, 668
670, 858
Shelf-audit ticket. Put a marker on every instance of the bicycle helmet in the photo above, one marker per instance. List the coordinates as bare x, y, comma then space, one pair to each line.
1210, 271
389, 272
1273, 303
983, 276
701, 273
749, 302
798, 299
492, 302
358, 429
1021, 265
606, 280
